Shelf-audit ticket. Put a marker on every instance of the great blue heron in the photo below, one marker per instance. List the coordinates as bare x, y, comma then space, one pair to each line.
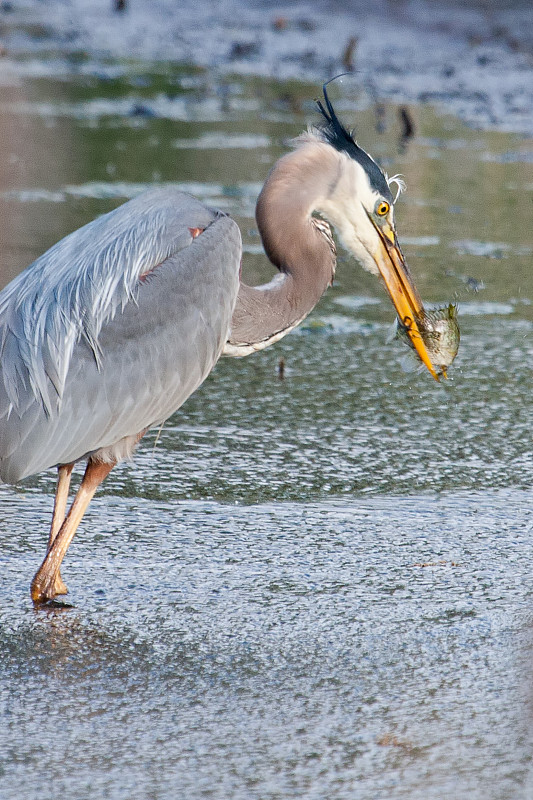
109, 332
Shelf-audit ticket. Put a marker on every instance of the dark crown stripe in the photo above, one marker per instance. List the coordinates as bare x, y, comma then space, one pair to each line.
342, 140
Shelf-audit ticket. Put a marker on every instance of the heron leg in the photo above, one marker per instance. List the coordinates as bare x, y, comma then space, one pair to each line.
64, 473
43, 585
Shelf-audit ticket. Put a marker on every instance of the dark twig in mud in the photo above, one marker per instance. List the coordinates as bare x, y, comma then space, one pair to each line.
408, 128
349, 53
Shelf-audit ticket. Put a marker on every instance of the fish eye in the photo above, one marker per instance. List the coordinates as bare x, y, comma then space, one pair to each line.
382, 208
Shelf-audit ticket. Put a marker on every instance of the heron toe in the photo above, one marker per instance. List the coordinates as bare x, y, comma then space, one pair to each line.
60, 586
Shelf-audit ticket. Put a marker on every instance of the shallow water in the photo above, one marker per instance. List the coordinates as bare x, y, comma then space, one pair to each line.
309, 587
372, 646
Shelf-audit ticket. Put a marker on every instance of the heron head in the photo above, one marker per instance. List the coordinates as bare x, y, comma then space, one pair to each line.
360, 205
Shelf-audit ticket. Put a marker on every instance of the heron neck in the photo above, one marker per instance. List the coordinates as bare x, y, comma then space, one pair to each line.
298, 245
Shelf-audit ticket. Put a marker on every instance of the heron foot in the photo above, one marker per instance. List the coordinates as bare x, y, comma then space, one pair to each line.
44, 588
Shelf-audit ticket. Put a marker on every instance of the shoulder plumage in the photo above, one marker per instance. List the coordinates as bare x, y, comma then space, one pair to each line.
78, 285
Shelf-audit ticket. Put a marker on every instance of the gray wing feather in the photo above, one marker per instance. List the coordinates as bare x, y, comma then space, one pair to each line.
89, 352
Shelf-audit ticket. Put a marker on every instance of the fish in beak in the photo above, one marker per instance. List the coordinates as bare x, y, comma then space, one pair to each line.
402, 291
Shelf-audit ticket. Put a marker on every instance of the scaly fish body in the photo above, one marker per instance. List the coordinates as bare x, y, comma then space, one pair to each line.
441, 335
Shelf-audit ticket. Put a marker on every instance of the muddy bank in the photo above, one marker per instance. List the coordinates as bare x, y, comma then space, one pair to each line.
471, 59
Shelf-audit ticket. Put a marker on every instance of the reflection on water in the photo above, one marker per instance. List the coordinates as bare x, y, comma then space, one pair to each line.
316, 586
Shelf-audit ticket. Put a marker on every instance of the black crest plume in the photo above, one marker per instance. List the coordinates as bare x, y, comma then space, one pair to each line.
341, 139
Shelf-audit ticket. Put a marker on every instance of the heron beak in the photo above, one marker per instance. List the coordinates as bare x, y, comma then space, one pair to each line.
402, 290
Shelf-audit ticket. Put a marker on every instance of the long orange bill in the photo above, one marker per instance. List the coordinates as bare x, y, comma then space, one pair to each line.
402, 290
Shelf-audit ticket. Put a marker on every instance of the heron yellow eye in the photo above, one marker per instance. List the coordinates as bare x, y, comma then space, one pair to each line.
382, 208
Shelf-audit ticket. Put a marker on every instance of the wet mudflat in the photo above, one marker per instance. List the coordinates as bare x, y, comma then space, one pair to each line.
310, 587
376, 646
